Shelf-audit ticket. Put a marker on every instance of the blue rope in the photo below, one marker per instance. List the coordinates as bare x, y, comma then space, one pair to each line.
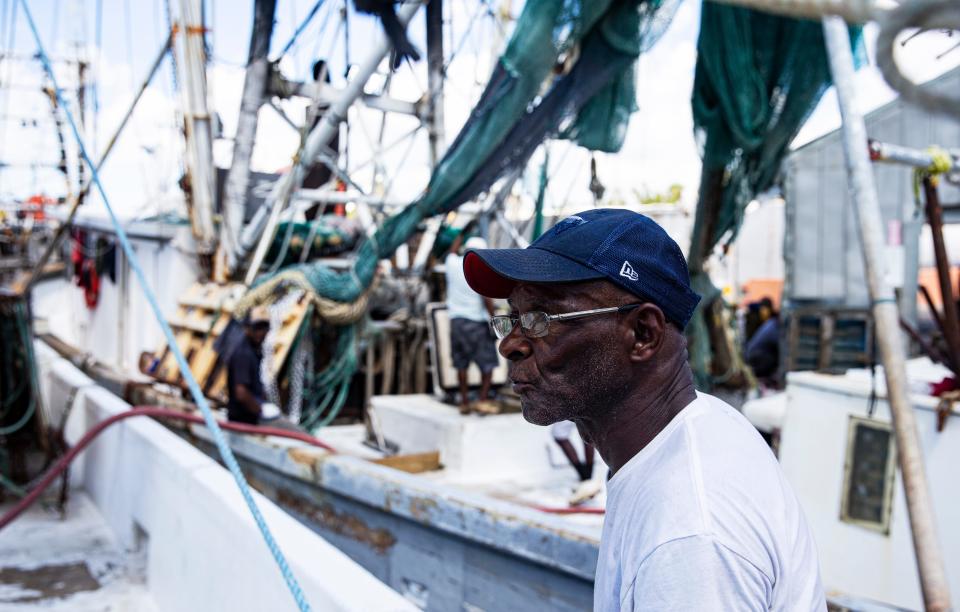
201, 401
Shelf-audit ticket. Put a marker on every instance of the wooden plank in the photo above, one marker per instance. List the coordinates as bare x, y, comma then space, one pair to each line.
203, 313
414, 463
206, 357
218, 390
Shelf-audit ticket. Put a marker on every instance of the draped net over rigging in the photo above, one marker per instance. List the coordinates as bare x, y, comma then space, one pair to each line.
590, 104
758, 77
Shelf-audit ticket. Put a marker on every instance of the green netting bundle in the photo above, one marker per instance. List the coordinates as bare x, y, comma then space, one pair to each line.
315, 238
758, 77
601, 125
545, 30
590, 104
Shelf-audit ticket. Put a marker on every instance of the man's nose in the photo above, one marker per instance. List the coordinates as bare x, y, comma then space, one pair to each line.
516, 346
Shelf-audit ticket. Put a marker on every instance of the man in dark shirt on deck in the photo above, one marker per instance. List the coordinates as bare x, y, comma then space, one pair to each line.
245, 391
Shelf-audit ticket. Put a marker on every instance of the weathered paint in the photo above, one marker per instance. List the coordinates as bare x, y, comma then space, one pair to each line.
204, 550
341, 523
443, 548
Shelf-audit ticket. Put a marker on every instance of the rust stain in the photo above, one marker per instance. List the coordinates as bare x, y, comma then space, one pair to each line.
342, 523
306, 456
422, 507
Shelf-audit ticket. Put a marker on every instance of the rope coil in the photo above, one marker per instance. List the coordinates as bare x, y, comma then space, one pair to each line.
338, 313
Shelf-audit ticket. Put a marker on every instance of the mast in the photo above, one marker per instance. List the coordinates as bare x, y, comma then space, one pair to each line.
260, 230
254, 90
435, 72
866, 205
197, 126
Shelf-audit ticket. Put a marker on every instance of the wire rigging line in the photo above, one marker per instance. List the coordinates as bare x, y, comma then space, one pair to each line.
3, 22
98, 35
465, 37
128, 18
55, 25
8, 59
303, 24
293, 56
225, 452
321, 34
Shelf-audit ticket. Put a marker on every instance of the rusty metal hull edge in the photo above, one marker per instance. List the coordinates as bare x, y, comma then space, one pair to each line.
442, 547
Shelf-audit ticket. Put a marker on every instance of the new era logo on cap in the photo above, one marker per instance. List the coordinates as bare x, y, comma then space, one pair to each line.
627, 271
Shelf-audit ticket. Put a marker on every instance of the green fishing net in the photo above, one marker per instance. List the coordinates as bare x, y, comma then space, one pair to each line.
524, 102
758, 77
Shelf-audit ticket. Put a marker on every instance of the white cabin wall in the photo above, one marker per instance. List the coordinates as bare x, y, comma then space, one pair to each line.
122, 325
170, 269
855, 560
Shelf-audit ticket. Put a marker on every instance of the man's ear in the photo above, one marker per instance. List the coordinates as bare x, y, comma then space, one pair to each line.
649, 327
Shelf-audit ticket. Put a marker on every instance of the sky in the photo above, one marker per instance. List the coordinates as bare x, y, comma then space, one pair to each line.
140, 177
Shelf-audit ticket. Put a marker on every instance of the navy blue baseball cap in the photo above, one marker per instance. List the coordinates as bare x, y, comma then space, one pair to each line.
626, 248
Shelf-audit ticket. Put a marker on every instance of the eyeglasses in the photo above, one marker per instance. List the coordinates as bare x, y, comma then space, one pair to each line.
535, 324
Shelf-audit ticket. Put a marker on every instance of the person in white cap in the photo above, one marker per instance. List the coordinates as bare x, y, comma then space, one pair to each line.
471, 338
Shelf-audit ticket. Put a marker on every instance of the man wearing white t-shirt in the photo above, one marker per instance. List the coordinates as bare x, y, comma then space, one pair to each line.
699, 515
470, 337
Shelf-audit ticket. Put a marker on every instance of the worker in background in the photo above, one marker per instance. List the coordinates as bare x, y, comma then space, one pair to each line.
470, 336
763, 349
757, 314
246, 399
561, 432
699, 515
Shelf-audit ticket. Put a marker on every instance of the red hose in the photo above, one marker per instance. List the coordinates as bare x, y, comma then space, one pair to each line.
165, 413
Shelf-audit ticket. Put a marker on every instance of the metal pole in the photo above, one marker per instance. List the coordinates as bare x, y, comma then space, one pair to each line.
951, 325
435, 79
924, 159
254, 90
321, 134
330, 196
197, 125
933, 578
78, 199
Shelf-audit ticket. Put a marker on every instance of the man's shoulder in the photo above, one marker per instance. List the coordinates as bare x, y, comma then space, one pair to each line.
710, 453
723, 436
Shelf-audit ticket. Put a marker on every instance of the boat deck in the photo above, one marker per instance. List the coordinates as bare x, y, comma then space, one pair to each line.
70, 562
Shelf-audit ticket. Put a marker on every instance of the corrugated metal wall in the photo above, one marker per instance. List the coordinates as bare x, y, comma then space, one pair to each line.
822, 249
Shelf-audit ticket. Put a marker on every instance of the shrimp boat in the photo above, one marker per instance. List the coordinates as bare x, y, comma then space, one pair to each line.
376, 492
